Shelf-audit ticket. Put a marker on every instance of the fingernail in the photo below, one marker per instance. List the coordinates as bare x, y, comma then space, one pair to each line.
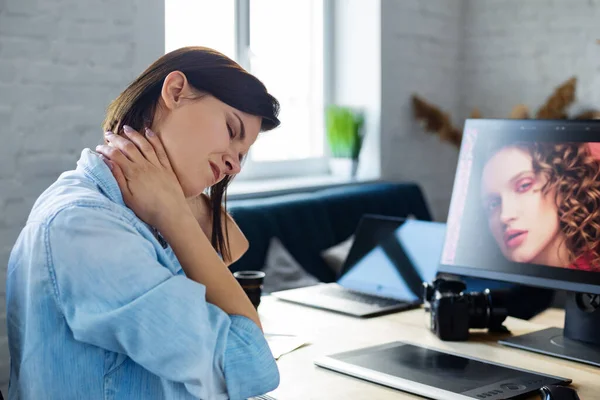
128, 129
149, 132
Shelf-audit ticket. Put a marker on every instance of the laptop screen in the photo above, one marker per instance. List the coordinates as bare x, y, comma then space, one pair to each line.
399, 264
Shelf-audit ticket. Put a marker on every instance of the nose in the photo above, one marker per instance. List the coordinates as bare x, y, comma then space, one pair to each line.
232, 164
510, 209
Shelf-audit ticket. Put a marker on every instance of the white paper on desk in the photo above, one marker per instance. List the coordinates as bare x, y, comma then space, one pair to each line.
283, 344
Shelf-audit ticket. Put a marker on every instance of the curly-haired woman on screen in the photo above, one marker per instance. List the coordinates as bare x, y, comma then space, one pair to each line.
542, 202
118, 285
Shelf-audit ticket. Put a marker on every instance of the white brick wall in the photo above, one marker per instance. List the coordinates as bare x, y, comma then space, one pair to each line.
489, 54
421, 50
518, 51
61, 62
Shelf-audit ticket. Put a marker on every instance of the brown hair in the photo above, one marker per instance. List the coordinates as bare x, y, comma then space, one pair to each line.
207, 71
574, 175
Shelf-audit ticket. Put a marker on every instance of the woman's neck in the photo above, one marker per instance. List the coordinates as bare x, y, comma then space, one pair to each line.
201, 209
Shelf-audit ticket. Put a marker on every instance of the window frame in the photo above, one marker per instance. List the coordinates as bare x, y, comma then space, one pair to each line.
318, 166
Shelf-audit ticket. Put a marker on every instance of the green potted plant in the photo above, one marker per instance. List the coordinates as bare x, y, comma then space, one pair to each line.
345, 139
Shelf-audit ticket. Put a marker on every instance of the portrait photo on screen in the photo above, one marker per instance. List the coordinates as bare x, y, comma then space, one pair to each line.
520, 201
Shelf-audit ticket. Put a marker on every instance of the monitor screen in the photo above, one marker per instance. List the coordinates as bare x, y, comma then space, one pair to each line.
526, 204
399, 264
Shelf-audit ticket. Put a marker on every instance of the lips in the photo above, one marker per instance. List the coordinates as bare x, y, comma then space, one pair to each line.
216, 171
514, 238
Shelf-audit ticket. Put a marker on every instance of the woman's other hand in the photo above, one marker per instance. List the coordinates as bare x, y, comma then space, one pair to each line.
147, 181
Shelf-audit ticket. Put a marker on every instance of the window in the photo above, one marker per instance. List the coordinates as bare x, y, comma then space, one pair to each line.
282, 43
206, 23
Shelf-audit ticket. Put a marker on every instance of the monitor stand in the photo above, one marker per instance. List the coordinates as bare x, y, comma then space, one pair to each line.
579, 341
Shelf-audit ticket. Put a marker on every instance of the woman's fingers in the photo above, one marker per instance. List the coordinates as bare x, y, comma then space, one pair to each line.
116, 156
150, 146
127, 147
143, 145
159, 149
118, 174
134, 158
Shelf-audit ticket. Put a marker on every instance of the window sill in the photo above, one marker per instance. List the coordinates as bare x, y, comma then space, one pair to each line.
245, 189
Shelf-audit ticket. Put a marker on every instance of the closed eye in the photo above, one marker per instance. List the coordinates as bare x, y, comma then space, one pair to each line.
231, 133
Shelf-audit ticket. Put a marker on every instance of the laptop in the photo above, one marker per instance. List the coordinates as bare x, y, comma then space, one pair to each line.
384, 271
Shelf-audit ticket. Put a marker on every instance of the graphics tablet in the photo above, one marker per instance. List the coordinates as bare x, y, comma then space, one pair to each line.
437, 374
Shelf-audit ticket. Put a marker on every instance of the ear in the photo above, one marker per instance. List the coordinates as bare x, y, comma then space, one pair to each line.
175, 88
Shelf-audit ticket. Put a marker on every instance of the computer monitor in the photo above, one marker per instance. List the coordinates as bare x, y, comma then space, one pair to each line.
525, 208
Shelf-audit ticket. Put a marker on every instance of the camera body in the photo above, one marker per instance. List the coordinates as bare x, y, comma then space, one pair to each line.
453, 311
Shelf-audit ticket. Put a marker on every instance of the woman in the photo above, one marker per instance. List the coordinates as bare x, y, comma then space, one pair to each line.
542, 202
114, 289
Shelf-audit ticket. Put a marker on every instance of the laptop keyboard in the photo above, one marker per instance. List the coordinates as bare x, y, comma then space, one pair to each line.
360, 297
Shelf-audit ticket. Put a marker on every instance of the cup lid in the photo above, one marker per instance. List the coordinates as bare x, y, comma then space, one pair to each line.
249, 274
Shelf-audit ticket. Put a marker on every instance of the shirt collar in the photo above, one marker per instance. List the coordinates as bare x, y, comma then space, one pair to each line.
92, 166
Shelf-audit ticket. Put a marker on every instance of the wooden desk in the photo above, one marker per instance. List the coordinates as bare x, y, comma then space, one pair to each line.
331, 333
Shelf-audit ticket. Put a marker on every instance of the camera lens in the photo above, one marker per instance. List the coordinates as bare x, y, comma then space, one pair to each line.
478, 310
487, 309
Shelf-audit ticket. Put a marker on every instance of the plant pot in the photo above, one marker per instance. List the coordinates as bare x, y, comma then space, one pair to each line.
343, 167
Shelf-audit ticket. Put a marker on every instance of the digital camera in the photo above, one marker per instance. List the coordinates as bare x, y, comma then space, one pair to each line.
453, 312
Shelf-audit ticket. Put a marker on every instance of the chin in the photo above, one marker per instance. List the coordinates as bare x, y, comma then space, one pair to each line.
192, 189
521, 258
196, 189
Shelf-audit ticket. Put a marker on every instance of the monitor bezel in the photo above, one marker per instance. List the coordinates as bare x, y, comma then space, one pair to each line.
534, 275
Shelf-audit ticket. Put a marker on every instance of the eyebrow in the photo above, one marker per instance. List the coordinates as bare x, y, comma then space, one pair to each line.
242, 127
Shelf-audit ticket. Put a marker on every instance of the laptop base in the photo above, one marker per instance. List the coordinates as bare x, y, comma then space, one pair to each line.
313, 297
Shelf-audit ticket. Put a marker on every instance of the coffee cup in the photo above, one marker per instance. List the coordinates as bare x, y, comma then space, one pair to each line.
252, 283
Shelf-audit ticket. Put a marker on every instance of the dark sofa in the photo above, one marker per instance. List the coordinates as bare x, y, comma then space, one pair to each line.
309, 222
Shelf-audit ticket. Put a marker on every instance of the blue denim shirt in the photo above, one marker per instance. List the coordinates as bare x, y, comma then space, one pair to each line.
98, 309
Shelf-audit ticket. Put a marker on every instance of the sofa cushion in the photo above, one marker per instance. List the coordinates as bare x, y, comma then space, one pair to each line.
282, 271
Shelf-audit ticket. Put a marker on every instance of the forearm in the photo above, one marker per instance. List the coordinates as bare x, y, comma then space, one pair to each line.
202, 264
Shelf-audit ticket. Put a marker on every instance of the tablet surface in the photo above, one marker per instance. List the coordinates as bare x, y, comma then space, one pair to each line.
437, 374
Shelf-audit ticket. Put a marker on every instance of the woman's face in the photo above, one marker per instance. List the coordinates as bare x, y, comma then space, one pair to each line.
523, 221
205, 139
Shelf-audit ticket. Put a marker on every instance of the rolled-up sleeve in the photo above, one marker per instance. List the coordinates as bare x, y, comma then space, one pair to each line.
115, 294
